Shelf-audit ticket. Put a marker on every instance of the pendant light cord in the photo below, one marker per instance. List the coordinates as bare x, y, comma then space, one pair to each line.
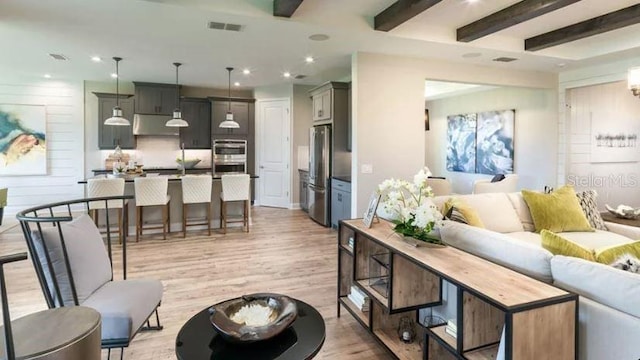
229, 69
117, 83
177, 86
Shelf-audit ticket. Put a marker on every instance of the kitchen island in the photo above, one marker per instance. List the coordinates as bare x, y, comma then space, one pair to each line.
153, 215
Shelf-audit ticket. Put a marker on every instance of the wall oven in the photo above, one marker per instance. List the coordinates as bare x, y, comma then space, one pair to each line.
229, 156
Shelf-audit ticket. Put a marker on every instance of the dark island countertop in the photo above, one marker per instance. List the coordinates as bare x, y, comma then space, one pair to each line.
345, 178
172, 177
158, 168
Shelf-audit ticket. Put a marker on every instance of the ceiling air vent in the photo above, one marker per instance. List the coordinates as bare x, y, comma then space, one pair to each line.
300, 77
222, 26
59, 57
505, 59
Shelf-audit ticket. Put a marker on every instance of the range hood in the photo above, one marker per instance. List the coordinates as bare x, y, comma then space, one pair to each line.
153, 125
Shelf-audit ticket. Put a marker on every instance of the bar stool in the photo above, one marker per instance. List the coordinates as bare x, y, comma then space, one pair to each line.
235, 188
196, 189
103, 187
152, 191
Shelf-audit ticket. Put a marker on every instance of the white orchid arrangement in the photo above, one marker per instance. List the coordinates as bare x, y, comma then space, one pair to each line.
410, 206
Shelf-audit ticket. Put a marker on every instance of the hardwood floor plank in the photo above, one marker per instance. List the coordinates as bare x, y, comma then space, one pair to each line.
285, 252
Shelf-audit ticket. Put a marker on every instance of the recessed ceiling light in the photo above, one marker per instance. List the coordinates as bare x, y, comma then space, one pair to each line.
287, 74
236, 84
471, 55
309, 59
246, 71
96, 59
114, 75
319, 37
47, 76
561, 65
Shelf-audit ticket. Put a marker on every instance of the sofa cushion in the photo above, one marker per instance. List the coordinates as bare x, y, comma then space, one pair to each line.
87, 255
522, 210
529, 237
495, 211
124, 306
558, 211
589, 203
525, 258
596, 240
611, 254
561, 246
602, 283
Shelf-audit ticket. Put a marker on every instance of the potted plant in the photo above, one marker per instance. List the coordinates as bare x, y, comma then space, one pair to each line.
410, 208
3, 202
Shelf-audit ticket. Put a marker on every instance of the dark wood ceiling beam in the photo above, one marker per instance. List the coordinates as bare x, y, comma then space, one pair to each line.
510, 16
597, 25
285, 8
399, 12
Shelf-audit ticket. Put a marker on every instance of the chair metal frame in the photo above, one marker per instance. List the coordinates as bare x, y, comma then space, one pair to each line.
55, 214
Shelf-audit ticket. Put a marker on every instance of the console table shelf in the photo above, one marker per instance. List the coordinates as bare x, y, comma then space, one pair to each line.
539, 321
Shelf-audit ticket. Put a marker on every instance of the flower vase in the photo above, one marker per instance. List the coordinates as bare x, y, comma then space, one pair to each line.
411, 241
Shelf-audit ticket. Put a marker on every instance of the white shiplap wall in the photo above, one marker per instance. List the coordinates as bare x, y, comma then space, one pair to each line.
616, 182
64, 103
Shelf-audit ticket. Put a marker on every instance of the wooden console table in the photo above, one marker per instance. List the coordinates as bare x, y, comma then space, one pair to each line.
607, 216
539, 320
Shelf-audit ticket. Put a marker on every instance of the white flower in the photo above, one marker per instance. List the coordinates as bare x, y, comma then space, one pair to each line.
421, 177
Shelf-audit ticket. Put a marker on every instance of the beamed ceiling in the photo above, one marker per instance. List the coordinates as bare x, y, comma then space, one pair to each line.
543, 35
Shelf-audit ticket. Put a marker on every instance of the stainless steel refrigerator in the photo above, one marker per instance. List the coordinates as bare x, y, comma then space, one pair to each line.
320, 174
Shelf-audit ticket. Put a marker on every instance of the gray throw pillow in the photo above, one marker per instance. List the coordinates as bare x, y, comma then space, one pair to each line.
589, 204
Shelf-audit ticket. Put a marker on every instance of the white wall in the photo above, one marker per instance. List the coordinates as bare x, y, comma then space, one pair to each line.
302, 122
535, 141
388, 112
64, 139
615, 182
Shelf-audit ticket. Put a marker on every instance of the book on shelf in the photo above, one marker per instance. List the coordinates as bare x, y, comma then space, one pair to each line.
451, 328
350, 243
359, 294
363, 306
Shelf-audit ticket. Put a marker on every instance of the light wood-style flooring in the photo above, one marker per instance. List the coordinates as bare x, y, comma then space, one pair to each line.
285, 252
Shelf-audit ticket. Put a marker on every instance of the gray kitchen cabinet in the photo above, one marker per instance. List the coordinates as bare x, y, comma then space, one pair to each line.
111, 136
197, 112
243, 113
322, 105
152, 98
340, 201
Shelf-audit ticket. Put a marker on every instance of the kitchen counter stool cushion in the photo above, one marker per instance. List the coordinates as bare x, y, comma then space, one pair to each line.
103, 187
196, 189
152, 191
235, 188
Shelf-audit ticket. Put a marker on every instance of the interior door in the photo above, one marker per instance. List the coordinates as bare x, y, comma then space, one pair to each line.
274, 170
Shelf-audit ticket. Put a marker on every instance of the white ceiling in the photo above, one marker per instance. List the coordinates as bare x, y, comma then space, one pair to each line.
434, 90
152, 34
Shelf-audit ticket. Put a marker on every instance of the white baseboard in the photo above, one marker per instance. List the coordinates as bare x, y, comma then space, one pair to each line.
295, 206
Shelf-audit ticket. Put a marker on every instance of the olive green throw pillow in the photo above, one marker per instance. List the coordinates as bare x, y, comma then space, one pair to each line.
558, 245
559, 211
612, 253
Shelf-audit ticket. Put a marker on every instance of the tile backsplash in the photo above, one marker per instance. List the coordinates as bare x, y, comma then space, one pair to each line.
161, 151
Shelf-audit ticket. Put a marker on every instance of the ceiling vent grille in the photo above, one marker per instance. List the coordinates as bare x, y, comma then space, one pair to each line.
505, 59
222, 26
300, 77
59, 57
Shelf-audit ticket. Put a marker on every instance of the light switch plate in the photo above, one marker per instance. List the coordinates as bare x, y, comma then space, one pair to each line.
366, 169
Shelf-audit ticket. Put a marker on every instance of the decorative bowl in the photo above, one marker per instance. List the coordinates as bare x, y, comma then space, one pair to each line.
188, 163
283, 312
624, 211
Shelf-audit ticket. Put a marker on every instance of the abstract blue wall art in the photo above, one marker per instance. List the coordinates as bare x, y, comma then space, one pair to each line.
461, 143
494, 142
23, 140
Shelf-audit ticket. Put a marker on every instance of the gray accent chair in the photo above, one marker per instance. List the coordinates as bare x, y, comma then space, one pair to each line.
74, 267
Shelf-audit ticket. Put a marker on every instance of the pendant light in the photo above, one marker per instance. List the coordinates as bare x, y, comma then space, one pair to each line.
117, 119
177, 120
228, 123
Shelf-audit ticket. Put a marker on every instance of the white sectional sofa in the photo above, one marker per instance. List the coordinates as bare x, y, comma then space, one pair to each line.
609, 309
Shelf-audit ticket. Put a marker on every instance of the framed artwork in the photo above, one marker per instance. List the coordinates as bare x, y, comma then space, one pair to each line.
613, 138
371, 210
461, 143
494, 142
23, 148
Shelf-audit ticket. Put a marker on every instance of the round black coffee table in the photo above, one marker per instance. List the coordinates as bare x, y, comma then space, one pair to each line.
197, 340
